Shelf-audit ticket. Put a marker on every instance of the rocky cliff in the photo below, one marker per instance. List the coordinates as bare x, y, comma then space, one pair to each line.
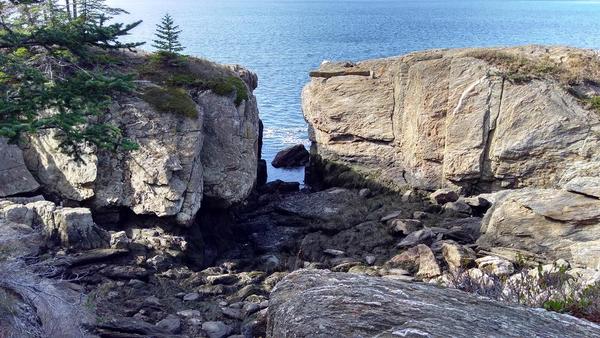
482, 119
196, 143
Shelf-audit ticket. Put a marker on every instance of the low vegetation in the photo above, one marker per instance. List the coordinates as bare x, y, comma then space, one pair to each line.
574, 68
171, 100
193, 74
552, 289
594, 103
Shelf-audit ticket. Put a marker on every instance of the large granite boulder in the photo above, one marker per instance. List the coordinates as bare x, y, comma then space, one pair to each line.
319, 303
68, 227
14, 177
554, 223
483, 119
181, 159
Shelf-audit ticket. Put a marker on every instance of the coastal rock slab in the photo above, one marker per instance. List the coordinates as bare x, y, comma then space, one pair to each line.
319, 303
549, 222
455, 118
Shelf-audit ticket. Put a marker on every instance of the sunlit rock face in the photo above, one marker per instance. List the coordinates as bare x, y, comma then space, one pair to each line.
482, 119
181, 160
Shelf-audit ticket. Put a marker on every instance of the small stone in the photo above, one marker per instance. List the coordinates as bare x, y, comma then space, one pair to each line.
391, 215
250, 308
119, 240
291, 157
217, 329
189, 313
419, 258
420, 215
136, 283
225, 279
476, 202
195, 321
171, 324
112, 295
457, 256
152, 300
334, 252
495, 265
417, 237
232, 313
443, 196
404, 226
409, 196
364, 193
457, 208
159, 262
370, 259
270, 262
363, 270
190, 297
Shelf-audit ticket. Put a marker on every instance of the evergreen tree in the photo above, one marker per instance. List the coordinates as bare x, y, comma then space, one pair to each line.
51, 76
167, 34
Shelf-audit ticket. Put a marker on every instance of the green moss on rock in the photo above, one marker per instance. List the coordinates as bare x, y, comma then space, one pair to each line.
194, 73
171, 100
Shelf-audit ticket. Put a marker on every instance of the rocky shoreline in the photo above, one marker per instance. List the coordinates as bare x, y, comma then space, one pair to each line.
181, 239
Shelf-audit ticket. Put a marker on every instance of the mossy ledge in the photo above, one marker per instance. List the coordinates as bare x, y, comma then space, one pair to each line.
171, 100
193, 74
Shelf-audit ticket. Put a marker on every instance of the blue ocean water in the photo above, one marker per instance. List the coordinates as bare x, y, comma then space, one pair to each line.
282, 40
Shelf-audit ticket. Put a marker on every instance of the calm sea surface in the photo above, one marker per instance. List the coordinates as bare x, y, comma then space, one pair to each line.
282, 40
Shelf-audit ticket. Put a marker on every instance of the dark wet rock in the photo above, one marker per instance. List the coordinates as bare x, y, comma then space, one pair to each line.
261, 173
318, 303
333, 209
171, 324
255, 325
217, 329
463, 230
291, 157
125, 272
417, 237
279, 186
121, 327
457, 209
371, 237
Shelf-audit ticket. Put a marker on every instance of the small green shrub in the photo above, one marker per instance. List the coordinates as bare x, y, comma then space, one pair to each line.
228, 85
594, 102
171, 100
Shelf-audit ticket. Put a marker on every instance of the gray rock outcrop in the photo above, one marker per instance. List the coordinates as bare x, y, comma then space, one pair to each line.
483, 119
69, 227
181, 160
14, 177
319, 303
554, 223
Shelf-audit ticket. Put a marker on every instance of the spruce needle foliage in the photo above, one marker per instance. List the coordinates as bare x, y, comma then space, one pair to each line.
167, 37
50, 74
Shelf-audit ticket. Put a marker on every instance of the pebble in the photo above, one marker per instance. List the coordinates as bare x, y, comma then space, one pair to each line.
334, 252
364, 193
370, 259
190, 297
172, 324
189, 313
217, 329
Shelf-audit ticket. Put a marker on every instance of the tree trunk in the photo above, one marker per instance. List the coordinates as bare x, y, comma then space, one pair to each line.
69, 8
74, 8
